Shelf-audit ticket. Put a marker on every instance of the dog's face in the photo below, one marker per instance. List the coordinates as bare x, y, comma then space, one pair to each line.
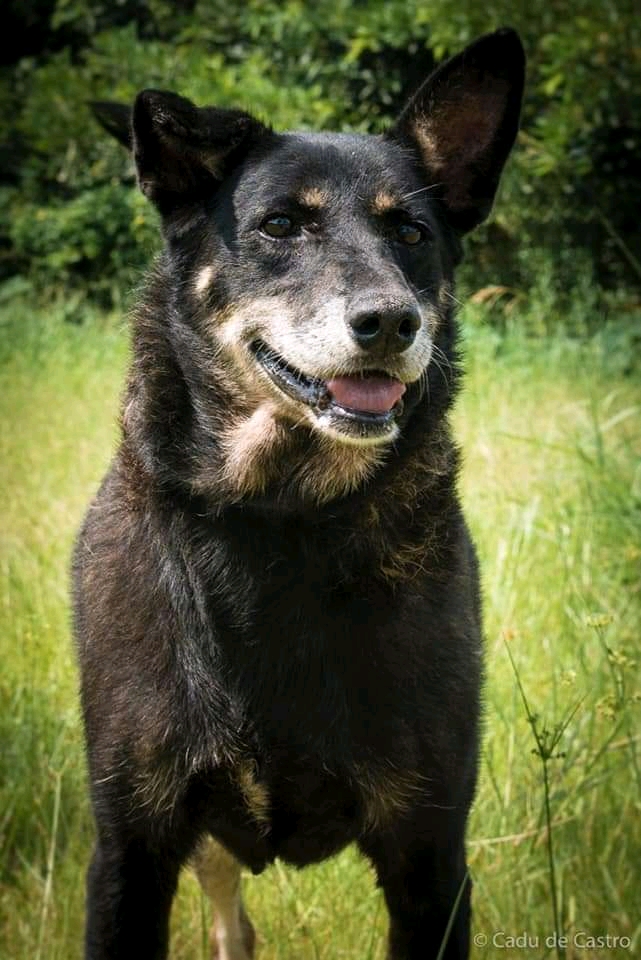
316, 268
325, 275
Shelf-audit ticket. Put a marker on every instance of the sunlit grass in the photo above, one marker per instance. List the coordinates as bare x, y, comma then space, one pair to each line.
551, 431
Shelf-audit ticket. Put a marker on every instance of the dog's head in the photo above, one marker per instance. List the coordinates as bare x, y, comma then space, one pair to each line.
318, 266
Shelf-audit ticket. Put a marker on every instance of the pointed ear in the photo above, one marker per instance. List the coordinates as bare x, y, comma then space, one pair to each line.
181, 150
464, 120
115, 118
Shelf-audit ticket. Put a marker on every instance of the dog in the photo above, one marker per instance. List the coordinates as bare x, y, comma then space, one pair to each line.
277, 603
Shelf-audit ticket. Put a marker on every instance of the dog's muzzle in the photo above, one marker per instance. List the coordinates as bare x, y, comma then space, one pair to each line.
363, 408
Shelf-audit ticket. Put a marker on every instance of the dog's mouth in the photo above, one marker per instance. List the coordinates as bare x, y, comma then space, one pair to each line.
363, 407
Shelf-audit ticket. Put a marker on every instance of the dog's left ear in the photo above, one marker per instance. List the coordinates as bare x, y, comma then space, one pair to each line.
464, 120
115, 118
182, 151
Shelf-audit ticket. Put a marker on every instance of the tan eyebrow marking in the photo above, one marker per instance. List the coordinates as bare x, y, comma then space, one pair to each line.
383, 202
313, 197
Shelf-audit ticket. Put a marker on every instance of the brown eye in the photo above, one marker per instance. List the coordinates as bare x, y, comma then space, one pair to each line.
411, 233
279, 226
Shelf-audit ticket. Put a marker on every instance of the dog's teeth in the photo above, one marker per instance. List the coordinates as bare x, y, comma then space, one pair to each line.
323, 400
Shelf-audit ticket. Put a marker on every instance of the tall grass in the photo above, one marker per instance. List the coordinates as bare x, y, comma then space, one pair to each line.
551, 429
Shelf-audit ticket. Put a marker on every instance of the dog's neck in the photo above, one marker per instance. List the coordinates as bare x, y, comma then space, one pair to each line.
207, 444
395, 512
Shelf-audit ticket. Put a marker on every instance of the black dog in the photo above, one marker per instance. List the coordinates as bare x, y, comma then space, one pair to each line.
277, 603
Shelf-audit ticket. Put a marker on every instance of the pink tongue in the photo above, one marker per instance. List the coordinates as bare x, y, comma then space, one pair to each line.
369, 394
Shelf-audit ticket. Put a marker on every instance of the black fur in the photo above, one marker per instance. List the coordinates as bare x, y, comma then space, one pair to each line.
330, 644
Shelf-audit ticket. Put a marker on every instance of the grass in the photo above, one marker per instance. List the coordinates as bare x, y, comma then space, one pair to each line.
551, 429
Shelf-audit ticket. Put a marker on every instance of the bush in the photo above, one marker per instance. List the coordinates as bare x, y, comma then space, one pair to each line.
99, 239
68, 213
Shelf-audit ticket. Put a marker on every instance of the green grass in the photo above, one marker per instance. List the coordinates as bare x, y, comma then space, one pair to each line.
551, 430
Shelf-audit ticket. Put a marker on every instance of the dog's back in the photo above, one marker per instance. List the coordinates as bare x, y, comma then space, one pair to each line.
276, 596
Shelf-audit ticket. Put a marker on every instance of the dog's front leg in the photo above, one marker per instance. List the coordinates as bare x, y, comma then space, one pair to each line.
427, 891
232, 935
130, 887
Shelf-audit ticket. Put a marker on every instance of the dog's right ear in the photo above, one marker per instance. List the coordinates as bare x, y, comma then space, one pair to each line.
463, 121
181, 150
115, 118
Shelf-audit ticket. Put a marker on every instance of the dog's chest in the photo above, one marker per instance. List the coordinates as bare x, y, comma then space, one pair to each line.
335, 754
303, 812
326, 680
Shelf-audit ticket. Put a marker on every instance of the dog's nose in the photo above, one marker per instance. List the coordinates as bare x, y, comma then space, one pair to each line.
386, 329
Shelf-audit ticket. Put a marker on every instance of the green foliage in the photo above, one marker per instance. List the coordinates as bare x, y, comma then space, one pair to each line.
569, 196
97, 238
551, 430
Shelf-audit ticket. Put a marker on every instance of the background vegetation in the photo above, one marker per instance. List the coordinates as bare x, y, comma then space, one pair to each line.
568, 216
550, 423
552, 486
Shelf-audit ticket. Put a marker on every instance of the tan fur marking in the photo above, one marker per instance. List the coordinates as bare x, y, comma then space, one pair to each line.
313, 197
232, 935
373, 515
388, 794
156, 790
455, 136
265, 442
256, 794
445, 296
405, 563
262, 449
249, 445
157, 784
326, 353
203, 279
383, 202
429, 145
260, 443
337, 470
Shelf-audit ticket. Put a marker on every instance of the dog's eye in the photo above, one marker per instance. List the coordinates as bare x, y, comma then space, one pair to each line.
279, 226
410, 233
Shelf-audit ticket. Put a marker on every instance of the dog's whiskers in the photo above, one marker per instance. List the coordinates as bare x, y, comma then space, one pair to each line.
419, 293
448, 293
414, 193
424, 384
442, 363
